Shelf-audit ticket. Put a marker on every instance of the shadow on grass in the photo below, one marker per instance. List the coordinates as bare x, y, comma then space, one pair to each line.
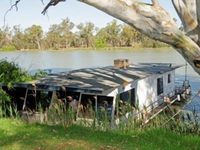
38, 136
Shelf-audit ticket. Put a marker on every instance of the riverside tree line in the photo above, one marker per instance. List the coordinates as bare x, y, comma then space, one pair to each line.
68, 35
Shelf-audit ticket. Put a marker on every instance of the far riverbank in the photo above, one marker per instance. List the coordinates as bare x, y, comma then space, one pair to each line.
87, 48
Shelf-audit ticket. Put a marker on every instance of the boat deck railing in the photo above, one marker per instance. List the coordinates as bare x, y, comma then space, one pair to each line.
155, 108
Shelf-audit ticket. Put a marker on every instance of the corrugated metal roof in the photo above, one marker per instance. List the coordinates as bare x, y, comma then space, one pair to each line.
101, 79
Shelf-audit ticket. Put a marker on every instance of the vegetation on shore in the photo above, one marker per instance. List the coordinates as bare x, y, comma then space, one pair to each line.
66, 35
18, 135
11, 73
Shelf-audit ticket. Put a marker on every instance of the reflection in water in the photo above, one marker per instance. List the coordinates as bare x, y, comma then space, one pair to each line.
74, 59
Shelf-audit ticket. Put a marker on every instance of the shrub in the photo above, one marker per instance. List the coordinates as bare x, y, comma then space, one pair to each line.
11, 73
5, 104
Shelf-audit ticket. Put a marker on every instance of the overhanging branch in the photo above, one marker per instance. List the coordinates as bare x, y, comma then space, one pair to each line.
11, 8
51, 3
152, 20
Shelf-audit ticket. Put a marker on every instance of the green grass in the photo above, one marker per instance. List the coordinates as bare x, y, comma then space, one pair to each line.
16, 135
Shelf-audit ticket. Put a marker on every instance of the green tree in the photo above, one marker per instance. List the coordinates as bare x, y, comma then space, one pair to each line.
60, 35
100, 42
53, 37
10, 73
86, 34
131, 37
5, 37
128, 36
18, 39
66, 33
34, 36
111, 33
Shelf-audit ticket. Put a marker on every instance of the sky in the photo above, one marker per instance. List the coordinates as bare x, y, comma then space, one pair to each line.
29, 13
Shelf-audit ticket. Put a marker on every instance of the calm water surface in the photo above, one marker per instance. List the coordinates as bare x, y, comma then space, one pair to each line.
75, 59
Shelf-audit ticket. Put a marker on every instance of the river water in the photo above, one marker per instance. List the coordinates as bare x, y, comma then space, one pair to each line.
75, 59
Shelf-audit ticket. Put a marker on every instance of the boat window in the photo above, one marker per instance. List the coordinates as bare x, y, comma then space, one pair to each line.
169, 78
125, 96
159, 86
125, 101
133, 102
128, 96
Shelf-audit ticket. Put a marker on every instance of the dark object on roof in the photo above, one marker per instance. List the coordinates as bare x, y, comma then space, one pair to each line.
121, 63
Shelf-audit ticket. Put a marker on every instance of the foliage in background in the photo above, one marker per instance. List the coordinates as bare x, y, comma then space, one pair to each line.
100, 43
68, 35
11, 73
5, 104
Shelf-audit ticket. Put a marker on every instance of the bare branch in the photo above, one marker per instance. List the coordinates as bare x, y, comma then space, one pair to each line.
42, 1
10, 2
46, 13
51, 3
15, 5
11, 8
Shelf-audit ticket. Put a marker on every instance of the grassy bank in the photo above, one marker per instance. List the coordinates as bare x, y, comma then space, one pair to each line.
16, 135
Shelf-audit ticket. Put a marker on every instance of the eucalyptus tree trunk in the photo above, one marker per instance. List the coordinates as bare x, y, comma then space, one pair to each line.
153, 21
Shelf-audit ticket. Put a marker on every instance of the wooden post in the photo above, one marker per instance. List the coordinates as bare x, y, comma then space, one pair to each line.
53, 97
25, 98
95, 107
113, 112
79, 103
35, 95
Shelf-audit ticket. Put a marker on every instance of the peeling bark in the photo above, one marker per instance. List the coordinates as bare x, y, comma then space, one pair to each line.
189, 14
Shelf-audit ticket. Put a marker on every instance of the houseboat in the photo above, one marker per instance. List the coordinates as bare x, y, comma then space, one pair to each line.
121, 90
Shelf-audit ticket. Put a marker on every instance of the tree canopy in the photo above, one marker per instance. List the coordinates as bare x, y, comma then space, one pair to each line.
66, 35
